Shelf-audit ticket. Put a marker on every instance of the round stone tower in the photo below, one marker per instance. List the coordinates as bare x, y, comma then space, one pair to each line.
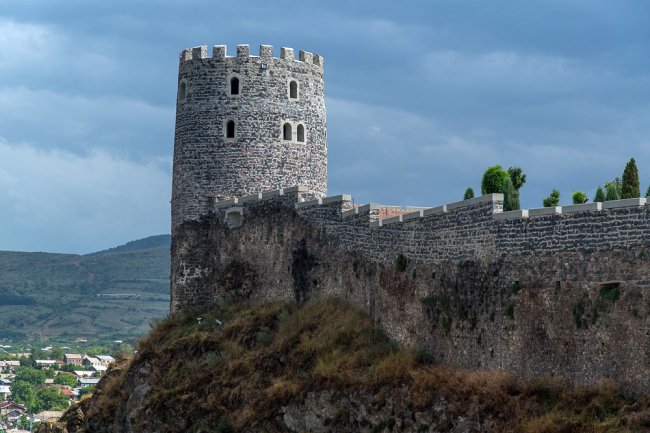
245, 124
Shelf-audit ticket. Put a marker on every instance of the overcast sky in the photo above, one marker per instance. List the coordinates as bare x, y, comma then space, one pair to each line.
422, 96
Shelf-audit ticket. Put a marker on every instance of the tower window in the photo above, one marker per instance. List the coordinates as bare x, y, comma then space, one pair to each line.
234, 86
301, 133
182, 91
286, 131
230, 129
293, 90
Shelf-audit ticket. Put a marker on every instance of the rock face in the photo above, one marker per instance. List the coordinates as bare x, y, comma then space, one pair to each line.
565, 295
321, 367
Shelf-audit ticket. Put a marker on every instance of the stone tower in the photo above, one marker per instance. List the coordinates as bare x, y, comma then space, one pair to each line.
246, 124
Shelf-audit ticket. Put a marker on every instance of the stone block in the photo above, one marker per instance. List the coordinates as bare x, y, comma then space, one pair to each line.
626, 202
412, 215
584, 207
543, 211
435, 210
334, 198
309, 203
226, 203
513, 214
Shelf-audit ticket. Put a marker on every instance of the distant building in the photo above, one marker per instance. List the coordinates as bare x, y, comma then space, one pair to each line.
106, 360
5, 392
8, 366
86, 382
46, 362
73, 358
12, 411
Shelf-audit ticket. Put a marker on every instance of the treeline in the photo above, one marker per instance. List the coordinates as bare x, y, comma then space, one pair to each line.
508, 182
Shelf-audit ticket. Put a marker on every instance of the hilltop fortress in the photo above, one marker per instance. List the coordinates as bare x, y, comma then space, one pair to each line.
553, 291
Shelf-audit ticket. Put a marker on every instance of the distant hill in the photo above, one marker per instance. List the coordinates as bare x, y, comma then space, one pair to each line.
55, 295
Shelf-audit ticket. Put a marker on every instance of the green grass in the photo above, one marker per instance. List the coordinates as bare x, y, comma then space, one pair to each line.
44, 295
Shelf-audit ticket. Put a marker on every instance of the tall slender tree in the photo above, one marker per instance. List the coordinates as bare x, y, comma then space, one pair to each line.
600, 195
630, 187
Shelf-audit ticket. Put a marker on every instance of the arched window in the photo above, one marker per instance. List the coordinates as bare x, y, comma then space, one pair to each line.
301, 133
182, 91
286, 131
234, 86
293, 90
230, 129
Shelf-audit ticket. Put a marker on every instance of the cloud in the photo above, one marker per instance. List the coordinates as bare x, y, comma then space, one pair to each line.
54, 200
76, 123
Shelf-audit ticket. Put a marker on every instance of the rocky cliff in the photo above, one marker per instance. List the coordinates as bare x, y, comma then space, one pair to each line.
323, 367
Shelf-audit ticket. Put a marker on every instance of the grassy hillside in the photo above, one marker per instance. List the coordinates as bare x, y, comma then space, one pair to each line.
325, 367
55, 295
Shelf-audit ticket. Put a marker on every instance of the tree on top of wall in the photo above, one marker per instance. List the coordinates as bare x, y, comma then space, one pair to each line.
630, 187
553, 199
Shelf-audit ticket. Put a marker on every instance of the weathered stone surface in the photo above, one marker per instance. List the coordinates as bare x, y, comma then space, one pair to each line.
208, 165
531, 296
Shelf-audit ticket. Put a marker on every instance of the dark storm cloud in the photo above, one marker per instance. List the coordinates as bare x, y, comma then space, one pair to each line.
422, 97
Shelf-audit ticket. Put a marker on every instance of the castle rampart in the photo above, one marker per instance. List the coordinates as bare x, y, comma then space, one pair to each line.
553, 292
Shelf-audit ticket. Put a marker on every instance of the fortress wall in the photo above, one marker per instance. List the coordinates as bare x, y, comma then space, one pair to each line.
602, 230
532, 312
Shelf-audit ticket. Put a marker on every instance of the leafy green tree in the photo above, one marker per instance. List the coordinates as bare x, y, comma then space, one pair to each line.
579, 197
52, 399
600, 195
553, 199
613, 190
469, 193
23, 393
31, 375
70, 368
647, 194
23, 423
493, 180
630, 187
517, 177
50, 373
510, 196
65, 379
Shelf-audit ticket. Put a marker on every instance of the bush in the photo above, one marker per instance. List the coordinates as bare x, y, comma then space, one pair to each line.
630, 187
493, 180
600, 195
469, 193
553, 199
401, 262
579, 197
613, 190
517, 177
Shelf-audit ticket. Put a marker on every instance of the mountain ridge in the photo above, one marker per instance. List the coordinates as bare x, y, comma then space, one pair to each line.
55, 294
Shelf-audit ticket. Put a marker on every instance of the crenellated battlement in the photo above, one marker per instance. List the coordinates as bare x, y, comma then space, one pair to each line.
220, 52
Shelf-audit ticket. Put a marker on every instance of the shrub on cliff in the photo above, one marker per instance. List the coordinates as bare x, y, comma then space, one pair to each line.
630, 187
553, 199
469, 193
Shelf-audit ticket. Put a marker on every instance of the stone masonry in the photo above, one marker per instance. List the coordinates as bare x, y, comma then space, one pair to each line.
554, 293
561, 291
208, 164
